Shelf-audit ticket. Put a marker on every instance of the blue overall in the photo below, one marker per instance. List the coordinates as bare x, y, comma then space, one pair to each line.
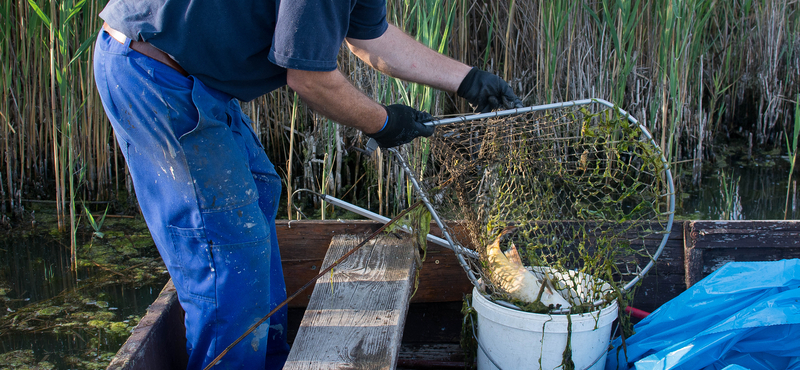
209, 196
205, 186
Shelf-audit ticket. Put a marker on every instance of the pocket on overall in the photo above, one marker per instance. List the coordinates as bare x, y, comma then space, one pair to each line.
234, 229
191, 265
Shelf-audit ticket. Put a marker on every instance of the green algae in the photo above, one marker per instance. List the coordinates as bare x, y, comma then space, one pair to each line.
90, 361
469, 336
23, 360
49, 311
90, 307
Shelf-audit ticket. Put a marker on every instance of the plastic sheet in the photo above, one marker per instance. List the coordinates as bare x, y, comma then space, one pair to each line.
745, 315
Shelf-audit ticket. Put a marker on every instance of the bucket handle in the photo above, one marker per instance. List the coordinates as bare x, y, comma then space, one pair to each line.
480, 345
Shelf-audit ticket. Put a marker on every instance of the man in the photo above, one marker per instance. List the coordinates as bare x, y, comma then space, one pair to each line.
170, 74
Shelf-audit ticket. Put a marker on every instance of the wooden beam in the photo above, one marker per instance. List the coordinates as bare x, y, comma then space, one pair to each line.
711, 244
692, 255
356, 316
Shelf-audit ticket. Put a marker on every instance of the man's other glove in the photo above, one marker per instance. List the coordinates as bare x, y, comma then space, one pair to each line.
403, 124
487, 92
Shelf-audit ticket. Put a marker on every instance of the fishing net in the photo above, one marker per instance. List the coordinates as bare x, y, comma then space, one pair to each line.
577, 192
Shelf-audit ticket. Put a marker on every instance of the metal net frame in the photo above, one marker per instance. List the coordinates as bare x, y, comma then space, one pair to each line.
579, 192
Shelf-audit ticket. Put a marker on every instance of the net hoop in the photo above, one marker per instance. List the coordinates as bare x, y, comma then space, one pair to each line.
463, 253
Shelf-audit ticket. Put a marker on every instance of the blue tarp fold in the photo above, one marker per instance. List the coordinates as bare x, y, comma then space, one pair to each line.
745, 315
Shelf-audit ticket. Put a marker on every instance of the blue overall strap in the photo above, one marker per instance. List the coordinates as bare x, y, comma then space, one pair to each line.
209, 195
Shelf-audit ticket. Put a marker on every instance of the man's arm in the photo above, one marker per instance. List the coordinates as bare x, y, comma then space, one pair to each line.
398, 55
332, 95
395, 54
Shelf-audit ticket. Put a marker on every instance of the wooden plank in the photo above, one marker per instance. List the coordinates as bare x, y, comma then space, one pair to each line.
666, 280
159, 340
692, 255
304, 244
712, 244
431, 356
356, 316
745, 234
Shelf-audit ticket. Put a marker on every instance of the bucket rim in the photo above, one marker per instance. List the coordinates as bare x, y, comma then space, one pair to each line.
608, 309
599, 304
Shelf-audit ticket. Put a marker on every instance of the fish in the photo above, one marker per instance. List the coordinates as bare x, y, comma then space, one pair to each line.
512, 278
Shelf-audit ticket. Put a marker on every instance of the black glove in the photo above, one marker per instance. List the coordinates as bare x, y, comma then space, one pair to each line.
403, 125
487, 92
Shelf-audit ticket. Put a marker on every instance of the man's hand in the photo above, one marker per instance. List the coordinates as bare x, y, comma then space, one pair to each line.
487, 92
403, 124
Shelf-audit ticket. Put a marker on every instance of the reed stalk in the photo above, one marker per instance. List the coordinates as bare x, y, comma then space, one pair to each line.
791, 146
65, 104
289, 188
554, 18
731, 201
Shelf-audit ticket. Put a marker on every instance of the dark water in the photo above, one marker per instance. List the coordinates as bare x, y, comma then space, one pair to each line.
35, 270
742, 191
35, 267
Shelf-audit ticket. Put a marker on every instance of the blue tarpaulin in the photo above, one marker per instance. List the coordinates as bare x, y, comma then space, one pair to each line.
745, 315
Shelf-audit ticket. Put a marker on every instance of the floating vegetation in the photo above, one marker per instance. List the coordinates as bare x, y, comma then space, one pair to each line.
23, 360
95, 310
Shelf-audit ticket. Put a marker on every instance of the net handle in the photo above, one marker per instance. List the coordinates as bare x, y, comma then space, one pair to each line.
382, 219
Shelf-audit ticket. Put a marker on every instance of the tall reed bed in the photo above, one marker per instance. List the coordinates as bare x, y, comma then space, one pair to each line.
697, 72
55, 137
684, 67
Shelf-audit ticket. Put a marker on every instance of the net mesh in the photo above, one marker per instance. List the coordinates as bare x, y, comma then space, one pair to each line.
578, 193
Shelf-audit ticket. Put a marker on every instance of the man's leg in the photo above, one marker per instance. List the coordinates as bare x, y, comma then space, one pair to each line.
190, 160
269, 189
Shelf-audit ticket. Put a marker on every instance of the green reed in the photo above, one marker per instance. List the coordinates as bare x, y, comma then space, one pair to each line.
554, 20
64, 107
791, 146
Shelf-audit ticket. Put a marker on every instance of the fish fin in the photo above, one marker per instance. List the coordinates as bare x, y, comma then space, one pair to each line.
513, 256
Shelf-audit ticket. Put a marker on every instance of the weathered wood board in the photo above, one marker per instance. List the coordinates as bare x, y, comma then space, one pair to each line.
665, 280
708, 245
304, 244
356, 315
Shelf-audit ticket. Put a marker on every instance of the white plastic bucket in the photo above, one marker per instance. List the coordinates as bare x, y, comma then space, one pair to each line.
522, 340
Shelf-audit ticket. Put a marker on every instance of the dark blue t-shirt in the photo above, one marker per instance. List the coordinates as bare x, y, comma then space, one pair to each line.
244, 47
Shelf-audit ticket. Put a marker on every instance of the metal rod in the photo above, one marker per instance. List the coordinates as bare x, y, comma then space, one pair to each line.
376, 217
509, 112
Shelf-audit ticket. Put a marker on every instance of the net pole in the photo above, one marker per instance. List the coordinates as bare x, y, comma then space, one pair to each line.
424, 197
376, 217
